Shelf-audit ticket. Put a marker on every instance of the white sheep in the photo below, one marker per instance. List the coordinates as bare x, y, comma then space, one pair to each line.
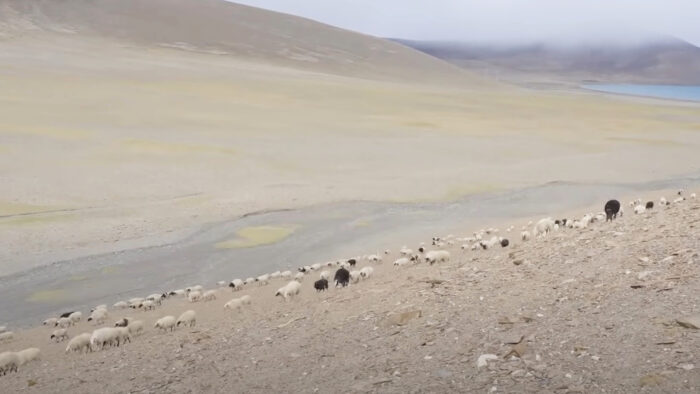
178, 292
663, 201
165, 323
355, 276
7, 336
263, 279
194, 296
315, 267
188, 318
435, 256
289, 290
275, 275
50, 321
693, 196
678, 200
525, 235
543, 227
3, 329
489, 243
134, 302
64, 322
148, 305
79, 343
101, 306
325, 275
9, 361
234, 304
221, 283
122, 335
27, 355
406, 251
209, 295
75, 317
639, 209
401, 262
246, 299
120, 305
366, 272
157, 298
59, 335
374, 258
102, 337
198, 288
249, 281
286, 274
135, 327
236, 284
299, 276
98, 316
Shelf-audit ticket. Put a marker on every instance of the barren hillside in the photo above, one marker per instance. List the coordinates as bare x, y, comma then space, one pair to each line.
221, 28
612, 307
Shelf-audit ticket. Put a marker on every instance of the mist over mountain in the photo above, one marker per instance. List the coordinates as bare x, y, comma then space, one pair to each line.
658, 60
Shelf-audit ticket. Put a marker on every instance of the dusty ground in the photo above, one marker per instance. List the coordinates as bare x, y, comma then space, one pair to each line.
591, 310
120, 159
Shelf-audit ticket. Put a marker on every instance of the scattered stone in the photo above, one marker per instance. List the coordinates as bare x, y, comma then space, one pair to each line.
443, 373
651, 380
689, 322
517, 350
644, 274
518, 261
687, 367
484, 359
401, 319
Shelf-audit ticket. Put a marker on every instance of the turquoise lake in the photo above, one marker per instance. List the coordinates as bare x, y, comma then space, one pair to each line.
673, 92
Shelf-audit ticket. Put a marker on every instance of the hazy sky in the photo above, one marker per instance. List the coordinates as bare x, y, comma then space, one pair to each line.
502, 20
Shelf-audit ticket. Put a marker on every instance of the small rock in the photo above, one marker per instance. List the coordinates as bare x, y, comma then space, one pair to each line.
643, 259
484, 359
651, 380
644, 274
518, 261
443, 373
687, 367
400, 319
428, 358
689, 322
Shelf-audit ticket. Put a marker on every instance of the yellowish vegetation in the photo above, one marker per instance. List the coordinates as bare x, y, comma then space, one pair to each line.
48, 296
249, 237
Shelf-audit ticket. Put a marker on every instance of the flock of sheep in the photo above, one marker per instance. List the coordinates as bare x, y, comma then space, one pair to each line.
126, 328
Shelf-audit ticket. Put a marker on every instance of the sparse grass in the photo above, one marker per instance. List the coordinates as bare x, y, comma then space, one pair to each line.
250, 237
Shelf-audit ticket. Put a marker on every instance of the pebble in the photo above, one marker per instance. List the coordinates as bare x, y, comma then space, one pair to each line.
692, 322
484, 359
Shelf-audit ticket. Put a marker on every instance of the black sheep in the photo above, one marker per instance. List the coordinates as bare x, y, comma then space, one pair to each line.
352, 262
321, 285
650, 205
342, 277
612, 207
67, 314
504, 242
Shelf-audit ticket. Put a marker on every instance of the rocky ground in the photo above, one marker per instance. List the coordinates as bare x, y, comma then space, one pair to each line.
612, 308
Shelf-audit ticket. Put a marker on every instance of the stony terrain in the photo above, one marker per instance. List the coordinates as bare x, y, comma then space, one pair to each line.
609, 309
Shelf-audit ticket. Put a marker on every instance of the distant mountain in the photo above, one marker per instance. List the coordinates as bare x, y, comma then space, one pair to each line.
222, 28
664, 60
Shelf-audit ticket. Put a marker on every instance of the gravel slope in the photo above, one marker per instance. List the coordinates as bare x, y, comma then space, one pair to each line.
579, 311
